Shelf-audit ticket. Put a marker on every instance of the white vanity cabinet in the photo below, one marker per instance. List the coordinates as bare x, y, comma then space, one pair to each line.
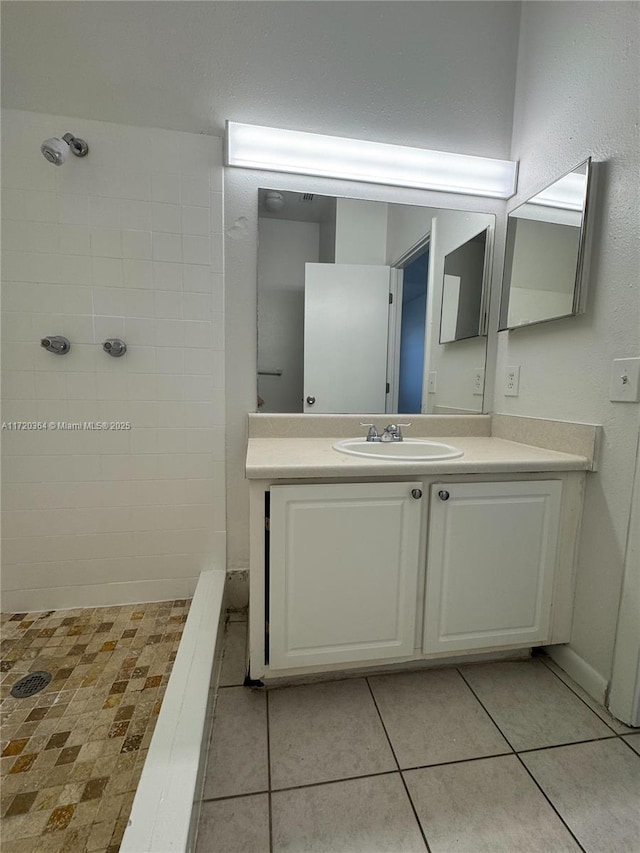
491, 562
343, 572
355, 571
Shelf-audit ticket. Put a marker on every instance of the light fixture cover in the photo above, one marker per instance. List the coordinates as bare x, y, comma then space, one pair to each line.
567, 193
272, 149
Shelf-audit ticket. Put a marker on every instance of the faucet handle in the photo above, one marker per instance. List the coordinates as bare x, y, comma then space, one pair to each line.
372, 435
394, 431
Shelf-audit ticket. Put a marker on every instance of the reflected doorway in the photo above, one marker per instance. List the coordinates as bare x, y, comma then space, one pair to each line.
413, 334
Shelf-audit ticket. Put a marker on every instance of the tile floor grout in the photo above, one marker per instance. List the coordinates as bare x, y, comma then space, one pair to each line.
577, 695
423, 766
395, 757
522, 764
269, 772
552, 820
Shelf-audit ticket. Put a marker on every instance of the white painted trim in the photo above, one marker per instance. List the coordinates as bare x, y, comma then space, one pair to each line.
96, 595
160, 818
581, 672
396, 285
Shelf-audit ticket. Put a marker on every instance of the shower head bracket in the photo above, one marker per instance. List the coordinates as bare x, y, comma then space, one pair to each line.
77, 145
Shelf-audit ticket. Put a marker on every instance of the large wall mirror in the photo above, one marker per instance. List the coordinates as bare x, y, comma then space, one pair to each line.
546, 252
350, 306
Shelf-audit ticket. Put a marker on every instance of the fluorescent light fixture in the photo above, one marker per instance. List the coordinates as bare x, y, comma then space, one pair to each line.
271, 149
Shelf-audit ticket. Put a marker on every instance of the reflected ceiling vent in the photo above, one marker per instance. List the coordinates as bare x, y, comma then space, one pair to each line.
306, 197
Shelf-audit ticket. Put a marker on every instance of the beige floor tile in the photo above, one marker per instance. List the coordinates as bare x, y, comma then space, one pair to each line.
604, 715
24, 826
324, 732
239, 825
633, 741
100, 836
370, 815
531, 706
432, 717
596, 789
75, 839
238, 759
234, 655
486, 806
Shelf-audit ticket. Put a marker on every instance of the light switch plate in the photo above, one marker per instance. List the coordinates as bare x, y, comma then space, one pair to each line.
431, 382
478, 382
512, 381
625, 380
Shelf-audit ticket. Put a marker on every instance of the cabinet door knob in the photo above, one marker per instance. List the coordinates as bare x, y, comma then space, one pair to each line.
444, 496
311, 401
416, 493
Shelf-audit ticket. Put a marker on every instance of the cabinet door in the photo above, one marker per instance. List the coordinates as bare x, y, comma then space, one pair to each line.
490, 565
343, 572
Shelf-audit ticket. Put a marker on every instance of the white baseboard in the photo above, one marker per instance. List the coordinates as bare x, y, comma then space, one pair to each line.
581, 672
96, 595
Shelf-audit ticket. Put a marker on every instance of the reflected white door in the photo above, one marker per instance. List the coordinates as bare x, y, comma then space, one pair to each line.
345, 337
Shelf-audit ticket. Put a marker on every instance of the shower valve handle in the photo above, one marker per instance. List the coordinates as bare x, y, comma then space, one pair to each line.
115, 347
57, 344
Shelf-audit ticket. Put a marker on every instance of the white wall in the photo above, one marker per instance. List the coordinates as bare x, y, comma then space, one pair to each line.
284, 248
126, 242
361, 232
577, 95
406, 226
438, 75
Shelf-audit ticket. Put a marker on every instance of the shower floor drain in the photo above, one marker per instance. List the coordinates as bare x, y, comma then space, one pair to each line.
30, 684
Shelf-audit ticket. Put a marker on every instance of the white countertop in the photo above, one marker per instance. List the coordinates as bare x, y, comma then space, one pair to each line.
274, 458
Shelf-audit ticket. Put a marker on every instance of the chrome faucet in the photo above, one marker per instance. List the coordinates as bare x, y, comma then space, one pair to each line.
393, 432
372, 435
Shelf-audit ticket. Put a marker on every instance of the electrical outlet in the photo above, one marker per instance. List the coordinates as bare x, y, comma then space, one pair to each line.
431, 382
478, 382
625, 380
512, 381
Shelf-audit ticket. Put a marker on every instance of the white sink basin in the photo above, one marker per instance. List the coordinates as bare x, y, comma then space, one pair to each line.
409, 450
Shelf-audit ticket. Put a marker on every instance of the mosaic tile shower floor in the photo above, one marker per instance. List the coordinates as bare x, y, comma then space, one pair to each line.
71, 755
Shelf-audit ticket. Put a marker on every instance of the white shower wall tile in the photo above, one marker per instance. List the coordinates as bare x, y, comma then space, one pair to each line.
125, 243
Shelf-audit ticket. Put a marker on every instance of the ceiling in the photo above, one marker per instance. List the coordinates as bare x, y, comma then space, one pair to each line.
432, 74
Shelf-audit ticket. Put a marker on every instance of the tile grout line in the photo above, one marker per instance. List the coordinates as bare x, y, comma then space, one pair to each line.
565, 743
266, 699
367, 775
622, 738
395, 758
473, 693
234, 796
522, 764
568, 686
418, 767
302, 787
